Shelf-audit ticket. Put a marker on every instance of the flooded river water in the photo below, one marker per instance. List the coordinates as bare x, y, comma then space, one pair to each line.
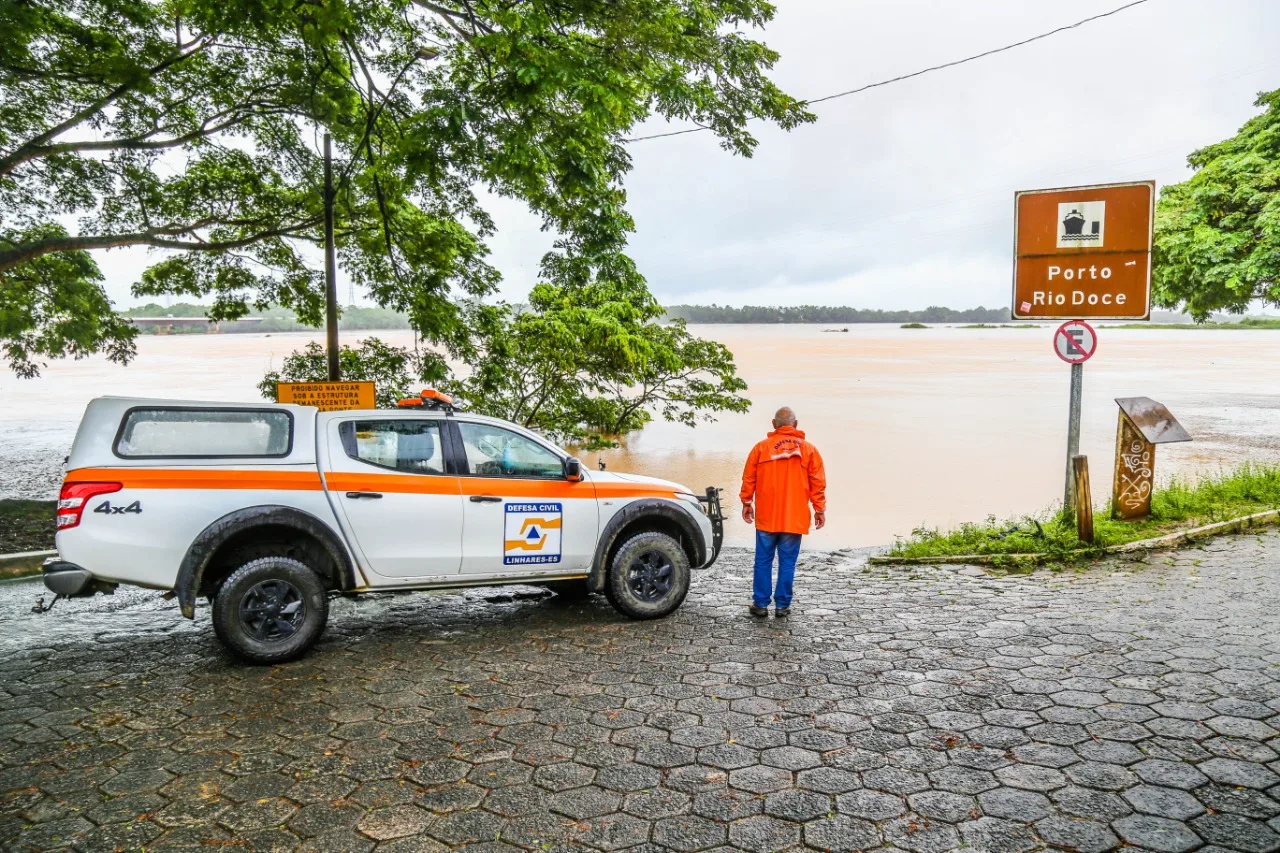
919, 427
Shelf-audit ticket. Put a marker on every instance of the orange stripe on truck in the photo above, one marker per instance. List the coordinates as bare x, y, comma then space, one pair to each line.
338, 481
198, 478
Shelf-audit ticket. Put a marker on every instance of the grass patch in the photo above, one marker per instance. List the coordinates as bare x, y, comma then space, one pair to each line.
1246, 323
913, 326
1180, 505
26, 525
1001, 326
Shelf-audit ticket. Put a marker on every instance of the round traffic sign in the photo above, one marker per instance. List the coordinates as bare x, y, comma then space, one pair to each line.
1075, 342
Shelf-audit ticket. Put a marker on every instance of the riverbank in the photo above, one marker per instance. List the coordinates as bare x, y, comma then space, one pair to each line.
1181, 505
26, 525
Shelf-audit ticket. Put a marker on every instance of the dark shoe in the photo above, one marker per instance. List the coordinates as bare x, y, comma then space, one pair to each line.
758, 611
782, 613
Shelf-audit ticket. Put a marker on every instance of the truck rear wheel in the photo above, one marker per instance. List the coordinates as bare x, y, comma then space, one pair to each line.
649, 576
270, 610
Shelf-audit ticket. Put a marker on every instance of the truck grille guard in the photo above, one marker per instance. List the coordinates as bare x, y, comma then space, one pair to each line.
711, 504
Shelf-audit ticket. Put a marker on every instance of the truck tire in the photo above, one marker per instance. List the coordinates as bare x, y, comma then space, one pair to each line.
648, 577
270, 610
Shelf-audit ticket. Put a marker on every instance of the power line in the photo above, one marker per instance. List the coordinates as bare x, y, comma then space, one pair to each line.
928, 70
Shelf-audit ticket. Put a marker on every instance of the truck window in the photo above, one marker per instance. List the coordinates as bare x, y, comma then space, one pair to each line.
496, 452
174, 431
412, 447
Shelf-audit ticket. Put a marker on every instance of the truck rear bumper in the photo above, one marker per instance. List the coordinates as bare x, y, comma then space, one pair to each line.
69, 580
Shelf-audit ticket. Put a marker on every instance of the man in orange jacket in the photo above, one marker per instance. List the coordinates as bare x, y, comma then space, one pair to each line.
784, 476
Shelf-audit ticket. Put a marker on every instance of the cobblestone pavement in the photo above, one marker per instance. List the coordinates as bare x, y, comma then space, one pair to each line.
1132, 704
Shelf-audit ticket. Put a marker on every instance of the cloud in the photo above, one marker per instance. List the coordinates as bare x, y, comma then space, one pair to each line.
903, 196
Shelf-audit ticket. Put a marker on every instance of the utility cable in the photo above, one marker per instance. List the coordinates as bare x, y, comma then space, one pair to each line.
923, 71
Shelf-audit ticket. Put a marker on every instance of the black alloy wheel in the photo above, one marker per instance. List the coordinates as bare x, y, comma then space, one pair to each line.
650, 576
272, 611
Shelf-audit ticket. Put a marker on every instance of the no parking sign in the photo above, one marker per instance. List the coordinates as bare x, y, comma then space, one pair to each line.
1075, 342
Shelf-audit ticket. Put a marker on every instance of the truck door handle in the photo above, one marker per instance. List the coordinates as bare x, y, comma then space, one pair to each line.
364, 494
485, 499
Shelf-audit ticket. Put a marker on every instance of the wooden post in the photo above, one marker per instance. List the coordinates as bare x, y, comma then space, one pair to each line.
1084, 500
1135, 472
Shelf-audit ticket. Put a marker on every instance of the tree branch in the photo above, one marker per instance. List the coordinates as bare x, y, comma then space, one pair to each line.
31, 149
160, 237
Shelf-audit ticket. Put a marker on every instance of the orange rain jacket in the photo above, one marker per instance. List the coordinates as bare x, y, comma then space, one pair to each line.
785, 475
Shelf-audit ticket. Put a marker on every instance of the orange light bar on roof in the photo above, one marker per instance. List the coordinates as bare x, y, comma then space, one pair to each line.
433, 394
409, 403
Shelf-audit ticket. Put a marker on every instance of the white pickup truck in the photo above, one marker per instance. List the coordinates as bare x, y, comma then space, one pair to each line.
268, 509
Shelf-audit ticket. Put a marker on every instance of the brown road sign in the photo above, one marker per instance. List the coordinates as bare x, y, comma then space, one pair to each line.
1083, 252
327, 396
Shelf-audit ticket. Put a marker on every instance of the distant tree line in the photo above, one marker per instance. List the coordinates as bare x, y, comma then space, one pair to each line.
831, 314
274, 319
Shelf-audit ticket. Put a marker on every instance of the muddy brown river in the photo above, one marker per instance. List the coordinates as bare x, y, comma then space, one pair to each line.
927, 427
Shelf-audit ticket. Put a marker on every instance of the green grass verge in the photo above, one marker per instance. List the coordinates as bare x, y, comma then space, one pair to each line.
1000, 326
26, 526
1246, 323
1180, 505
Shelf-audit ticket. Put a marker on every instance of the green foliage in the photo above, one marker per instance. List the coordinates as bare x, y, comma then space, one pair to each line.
54, 307
1217, 241
1181, 504
396, 372
913, 326
831, 314
590, 361
193, 127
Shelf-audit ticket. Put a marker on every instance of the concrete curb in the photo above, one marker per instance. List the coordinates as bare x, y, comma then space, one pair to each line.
1024, 561
24, 564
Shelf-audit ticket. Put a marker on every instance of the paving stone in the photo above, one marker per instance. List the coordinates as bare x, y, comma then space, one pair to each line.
763, 834
1163, 802
797, 805
728, 805
944, 806
1237, 832
395, 822
872, 805
920, 835
841, 834
1171, 774
760, 779
1156, 833
991, 835
1242, 773
1025, 806
688, 833
1078, 834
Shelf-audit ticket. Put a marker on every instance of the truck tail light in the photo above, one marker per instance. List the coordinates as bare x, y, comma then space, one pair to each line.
74, 496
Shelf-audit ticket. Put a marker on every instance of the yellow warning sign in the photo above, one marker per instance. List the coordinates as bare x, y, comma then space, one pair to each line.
327, 396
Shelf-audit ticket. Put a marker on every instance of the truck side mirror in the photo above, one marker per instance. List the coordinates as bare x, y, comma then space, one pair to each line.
572, 469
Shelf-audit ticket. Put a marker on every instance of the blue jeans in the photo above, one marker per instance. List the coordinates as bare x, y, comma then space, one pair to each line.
787, 546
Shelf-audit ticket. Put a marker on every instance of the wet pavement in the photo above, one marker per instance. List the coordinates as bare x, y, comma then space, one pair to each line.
1132, 704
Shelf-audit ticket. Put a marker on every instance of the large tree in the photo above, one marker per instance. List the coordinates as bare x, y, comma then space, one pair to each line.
192, 126
1217, 241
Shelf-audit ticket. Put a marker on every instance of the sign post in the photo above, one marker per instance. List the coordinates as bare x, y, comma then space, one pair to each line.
1075, 342
1082, 253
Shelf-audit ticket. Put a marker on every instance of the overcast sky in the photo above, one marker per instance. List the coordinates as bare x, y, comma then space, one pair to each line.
902, 197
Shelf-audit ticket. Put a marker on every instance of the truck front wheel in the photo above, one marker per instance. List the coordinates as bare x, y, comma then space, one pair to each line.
270, 610
649, 576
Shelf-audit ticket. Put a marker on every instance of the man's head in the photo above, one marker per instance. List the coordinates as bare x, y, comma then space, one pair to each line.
784, 417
